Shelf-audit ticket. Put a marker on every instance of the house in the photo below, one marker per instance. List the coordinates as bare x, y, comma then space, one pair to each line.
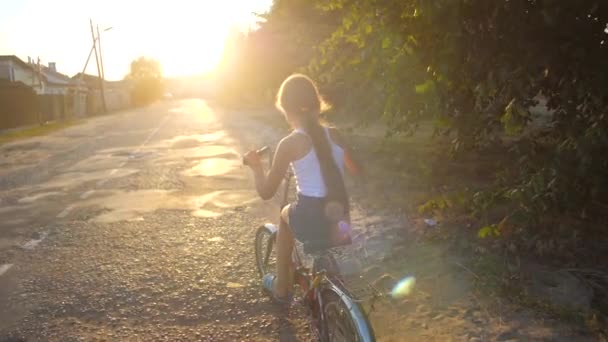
91, 86
58, 96
43, 79
117, 94
13, 69
56, 83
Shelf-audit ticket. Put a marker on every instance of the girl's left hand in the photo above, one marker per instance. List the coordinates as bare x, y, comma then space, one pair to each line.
252, 159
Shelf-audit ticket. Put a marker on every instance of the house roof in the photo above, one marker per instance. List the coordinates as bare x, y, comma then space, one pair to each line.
93, 81
23, 64
85, 77
47, 71
14, 59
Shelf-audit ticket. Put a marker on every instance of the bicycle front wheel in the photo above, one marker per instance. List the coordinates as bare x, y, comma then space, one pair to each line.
265, 251
344, 320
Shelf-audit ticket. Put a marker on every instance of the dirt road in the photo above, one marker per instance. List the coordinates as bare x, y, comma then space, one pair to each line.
135, 226
139, 226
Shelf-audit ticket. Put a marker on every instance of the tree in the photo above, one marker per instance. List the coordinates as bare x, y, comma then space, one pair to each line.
146, 76
476, 67
255, 63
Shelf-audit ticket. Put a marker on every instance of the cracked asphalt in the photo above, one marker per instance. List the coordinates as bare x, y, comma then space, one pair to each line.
134, 226
139, 226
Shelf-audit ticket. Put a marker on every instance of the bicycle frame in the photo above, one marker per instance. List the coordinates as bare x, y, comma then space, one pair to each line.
313, 281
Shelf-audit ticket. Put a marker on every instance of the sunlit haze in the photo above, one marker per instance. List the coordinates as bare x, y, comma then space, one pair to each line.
186, 36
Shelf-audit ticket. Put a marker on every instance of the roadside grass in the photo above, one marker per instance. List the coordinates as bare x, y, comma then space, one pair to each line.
410, 175
36, 131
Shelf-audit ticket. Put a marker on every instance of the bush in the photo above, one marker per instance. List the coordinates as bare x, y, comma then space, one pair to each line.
475, 68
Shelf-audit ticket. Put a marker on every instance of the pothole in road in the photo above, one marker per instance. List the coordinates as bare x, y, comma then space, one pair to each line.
185, 143
212, 167
165, 151
206, 213
36, 197
216, 151
98, 162
12, 208
190, 141
130, 206
73, 179
21, 146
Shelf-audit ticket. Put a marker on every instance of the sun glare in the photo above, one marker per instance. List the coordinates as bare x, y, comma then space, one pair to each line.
195, 37
193, 53
186, 36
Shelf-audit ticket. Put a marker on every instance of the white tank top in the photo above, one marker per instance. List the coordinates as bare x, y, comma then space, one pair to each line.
307, 171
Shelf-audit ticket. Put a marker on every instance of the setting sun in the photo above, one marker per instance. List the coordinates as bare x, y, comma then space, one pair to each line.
196, 33
185, 36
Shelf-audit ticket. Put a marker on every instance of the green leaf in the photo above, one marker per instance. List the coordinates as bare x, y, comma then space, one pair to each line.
425, 87
443, 122
486, 231
347, 22
386, 42
513, 118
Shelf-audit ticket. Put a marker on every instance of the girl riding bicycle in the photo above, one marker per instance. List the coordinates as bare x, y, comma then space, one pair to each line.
318, 157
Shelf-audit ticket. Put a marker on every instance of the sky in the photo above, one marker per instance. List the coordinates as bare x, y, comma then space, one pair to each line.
185, 36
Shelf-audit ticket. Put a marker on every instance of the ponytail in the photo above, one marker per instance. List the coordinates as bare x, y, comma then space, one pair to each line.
332, 177
299, 95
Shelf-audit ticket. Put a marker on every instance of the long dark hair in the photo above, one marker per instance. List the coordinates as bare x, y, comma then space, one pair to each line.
299, 96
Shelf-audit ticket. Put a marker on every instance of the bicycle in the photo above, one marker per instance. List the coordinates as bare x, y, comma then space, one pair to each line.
334, 313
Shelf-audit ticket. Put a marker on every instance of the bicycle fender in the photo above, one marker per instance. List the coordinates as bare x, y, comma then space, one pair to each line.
360, 321
273, 228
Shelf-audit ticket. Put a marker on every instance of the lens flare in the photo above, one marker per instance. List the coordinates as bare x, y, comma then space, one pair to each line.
404, 287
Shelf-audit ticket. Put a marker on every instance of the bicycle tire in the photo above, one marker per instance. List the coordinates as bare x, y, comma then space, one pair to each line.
265, 259
344, 319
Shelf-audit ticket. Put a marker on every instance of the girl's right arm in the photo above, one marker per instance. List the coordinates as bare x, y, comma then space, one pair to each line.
267, 184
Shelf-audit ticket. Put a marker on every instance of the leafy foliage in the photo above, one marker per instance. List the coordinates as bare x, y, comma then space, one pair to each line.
146, 76
487, 231
526, 79
255, 63
477, 68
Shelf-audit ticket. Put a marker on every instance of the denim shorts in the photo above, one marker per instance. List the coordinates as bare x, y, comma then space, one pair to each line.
310, 225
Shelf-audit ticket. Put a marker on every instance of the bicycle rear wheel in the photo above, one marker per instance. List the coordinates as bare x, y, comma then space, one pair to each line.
344, 320
265, 252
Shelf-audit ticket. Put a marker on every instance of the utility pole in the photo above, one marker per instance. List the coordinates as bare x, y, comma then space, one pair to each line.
103, 73
86, 63
103, 98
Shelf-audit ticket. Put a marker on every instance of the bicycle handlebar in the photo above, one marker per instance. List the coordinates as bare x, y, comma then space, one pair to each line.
261, 151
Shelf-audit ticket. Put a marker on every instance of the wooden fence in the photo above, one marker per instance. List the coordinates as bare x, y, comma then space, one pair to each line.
21, 106
18, 105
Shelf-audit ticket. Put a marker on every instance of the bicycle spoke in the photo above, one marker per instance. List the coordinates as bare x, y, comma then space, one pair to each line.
340, 327
341, 323
269, 248
264, 251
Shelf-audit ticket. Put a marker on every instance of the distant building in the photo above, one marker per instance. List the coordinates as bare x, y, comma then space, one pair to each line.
117, 93
13, 69
57, 96
56, 83
48, 83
